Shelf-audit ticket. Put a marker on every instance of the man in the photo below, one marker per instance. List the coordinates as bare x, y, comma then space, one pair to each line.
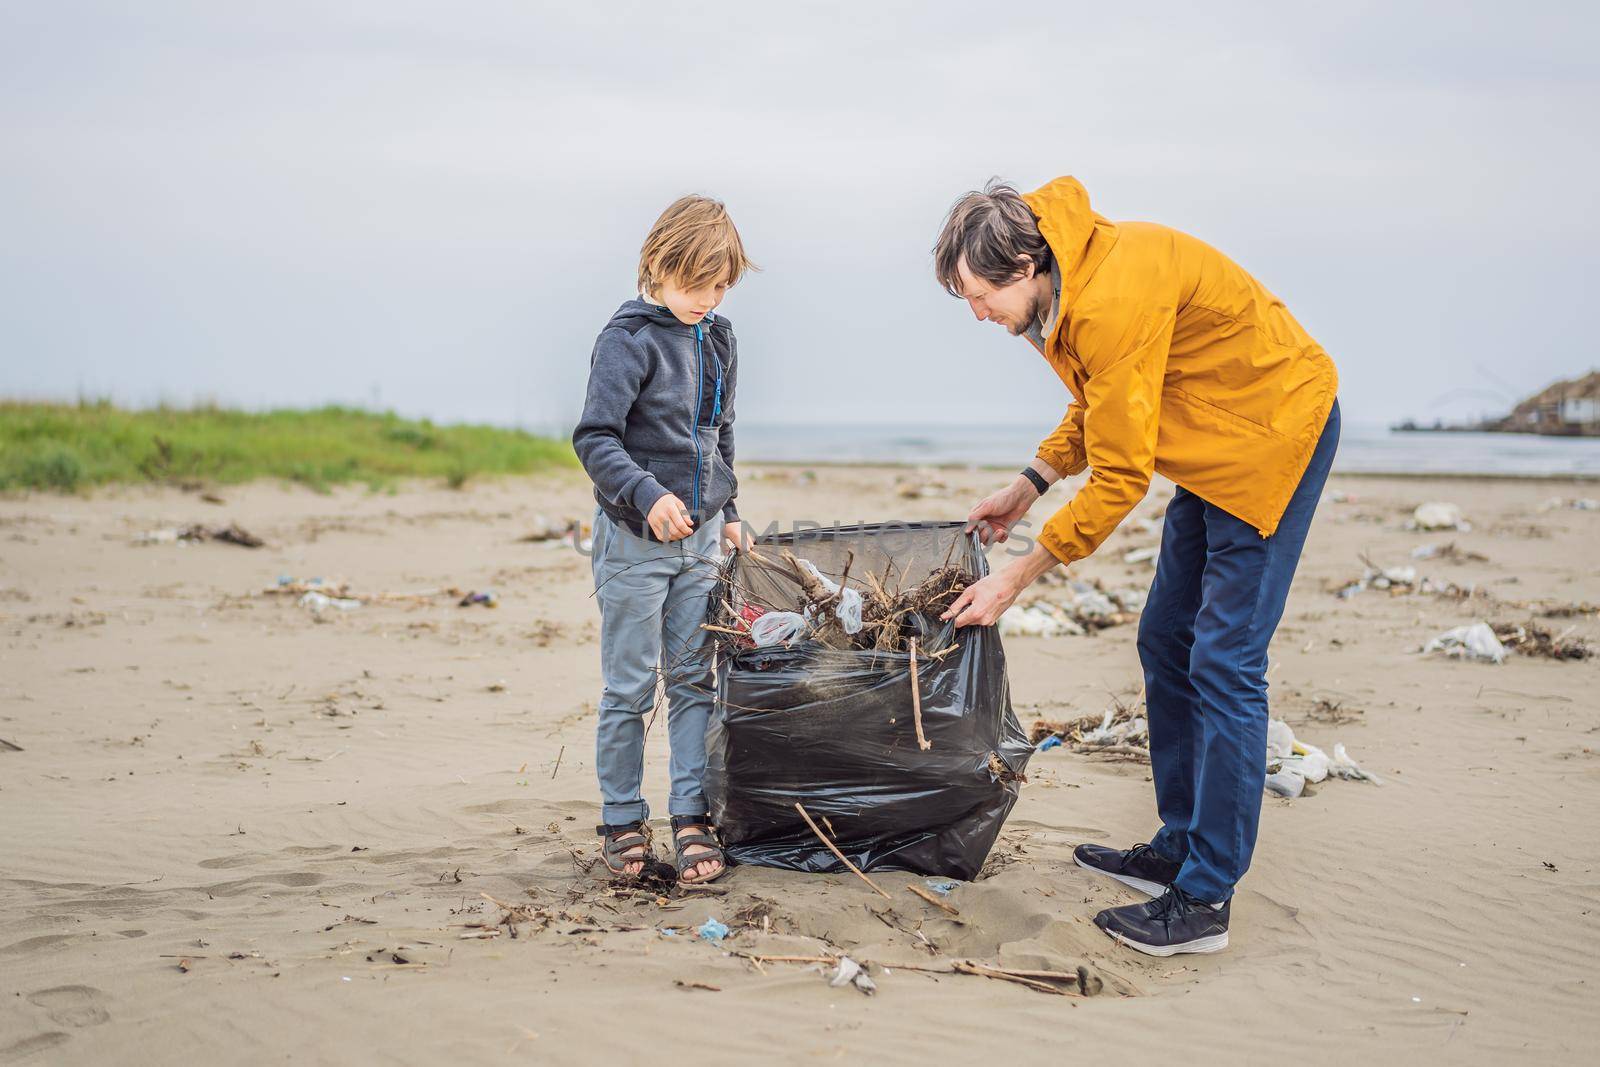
1182, 364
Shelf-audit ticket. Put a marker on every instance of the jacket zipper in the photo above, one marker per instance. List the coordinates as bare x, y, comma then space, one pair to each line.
694, 419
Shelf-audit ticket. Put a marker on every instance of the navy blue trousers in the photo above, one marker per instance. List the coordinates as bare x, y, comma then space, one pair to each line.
1217, 597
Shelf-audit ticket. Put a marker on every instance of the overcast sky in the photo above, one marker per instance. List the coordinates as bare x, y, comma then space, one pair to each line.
435, 207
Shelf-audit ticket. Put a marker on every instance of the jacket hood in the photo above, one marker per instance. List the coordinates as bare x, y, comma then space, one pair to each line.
1079, 236
635, 313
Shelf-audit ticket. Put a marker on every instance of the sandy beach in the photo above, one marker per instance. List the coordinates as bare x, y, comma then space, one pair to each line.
238, 830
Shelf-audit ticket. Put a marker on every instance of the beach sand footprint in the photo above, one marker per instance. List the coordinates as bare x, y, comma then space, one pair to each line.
290, 879
28, 1047
72, 1005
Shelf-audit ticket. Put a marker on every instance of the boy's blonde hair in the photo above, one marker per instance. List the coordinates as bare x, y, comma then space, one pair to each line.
693, 243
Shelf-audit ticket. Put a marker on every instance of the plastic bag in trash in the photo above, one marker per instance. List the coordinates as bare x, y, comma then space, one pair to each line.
849, 609
832, 728
777, 627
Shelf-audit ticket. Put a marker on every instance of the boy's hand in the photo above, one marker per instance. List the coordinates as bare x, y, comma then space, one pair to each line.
669, 519
733, 536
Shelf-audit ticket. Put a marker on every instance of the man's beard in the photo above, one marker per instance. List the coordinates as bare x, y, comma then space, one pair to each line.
1036, 311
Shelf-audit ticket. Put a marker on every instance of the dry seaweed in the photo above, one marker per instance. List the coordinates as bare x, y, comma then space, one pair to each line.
1531, 639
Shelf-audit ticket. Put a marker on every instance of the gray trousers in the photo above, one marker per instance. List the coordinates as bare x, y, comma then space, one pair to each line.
653, 598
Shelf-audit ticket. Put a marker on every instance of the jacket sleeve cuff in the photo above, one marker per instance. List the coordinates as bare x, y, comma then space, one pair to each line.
729, 513
1060, 462
646, 493
1061, 548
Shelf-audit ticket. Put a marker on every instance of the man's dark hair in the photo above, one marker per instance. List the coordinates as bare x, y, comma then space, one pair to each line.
996, 233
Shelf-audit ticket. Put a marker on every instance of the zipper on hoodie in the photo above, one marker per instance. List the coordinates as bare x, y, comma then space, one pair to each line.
694, 419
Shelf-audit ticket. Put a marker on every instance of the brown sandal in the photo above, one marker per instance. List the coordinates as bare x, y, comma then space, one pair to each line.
618, 841
705, 836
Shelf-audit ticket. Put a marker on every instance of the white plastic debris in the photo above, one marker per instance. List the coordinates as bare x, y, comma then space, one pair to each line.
1132, 731
1438, 515
1037, 620
1312, 765
849, 972
1132, 598
1343, 766
1469, 642
1291, 763
1093, 604
849, 609
1280, 739
1287, 784
1391, 576
318, 602
777, 627
1140, 555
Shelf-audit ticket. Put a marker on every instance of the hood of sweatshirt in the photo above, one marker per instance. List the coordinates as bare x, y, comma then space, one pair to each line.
635, 314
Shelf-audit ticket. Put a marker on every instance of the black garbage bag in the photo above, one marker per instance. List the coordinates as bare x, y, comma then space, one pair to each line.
832, 729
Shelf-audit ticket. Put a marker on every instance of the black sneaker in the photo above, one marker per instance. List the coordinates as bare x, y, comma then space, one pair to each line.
1139, 868
1172, 923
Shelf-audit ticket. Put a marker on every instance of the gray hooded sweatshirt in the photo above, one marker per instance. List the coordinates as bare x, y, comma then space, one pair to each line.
658, 417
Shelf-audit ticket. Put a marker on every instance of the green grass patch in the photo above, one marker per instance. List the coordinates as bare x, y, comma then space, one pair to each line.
69, 447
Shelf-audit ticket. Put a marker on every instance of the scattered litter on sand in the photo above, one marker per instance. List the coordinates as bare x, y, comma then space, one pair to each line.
1438, 515
1037, 620
1147, 554
319, 594
1119, 731
1292, 763
921, 484
1490, 643
787, 475
1086, 609
1448, 551
1477, 642
1402, 581
712, 930
1531, 639
1558, 503
1575, 610
1395, 580
849, 972
319, 602
542, 528
231, 534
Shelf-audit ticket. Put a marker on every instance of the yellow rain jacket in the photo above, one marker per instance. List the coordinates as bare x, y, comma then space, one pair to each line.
1178, 362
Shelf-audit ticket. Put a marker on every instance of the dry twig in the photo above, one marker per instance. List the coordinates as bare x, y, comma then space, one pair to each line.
835, 850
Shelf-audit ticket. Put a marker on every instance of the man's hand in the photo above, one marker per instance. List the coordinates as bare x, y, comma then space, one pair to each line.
995, 514
733, 537
984, 601
669, 519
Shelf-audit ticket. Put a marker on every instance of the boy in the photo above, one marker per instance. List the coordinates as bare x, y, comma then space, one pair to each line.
656, 438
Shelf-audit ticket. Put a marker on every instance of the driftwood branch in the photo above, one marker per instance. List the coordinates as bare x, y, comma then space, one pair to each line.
835, 850
916, 700
931, 899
